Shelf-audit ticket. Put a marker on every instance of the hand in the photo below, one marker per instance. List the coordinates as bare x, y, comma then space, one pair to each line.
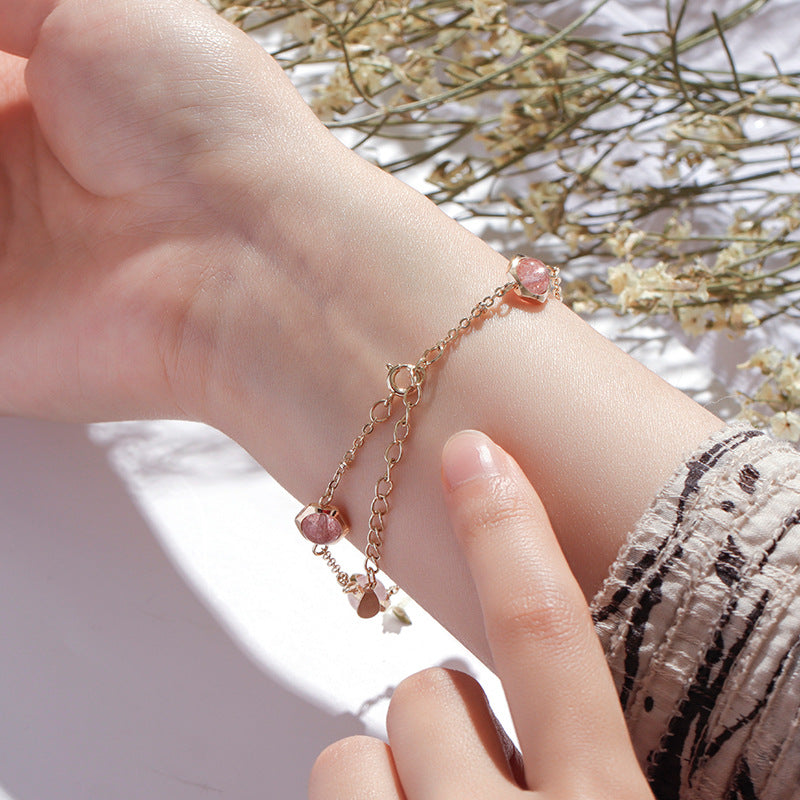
180, 236
143, 147
443, 740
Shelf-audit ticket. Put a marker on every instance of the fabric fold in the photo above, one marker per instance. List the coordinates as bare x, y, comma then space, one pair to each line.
700, 622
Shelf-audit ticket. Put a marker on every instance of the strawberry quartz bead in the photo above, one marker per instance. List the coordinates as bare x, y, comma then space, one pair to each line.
533, 277
321, 525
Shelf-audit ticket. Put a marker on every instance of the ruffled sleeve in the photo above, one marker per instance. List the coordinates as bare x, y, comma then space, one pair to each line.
700, 621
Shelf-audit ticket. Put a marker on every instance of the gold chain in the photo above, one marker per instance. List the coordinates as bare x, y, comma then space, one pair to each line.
405, 383
433, 354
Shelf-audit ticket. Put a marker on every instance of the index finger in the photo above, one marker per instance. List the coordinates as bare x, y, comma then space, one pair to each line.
562, 698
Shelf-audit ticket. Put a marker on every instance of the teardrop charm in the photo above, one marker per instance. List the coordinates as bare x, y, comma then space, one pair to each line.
369, 605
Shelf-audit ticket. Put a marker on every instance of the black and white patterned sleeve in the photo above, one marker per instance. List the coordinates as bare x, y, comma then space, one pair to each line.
700, 621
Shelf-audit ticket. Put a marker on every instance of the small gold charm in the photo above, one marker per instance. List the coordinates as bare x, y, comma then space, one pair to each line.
369, 605
367, 600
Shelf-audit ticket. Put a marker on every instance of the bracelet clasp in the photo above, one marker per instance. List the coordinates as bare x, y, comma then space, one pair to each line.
404, 378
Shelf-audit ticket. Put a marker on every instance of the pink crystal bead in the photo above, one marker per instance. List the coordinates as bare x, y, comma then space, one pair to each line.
321, 525
321, 528
534, 277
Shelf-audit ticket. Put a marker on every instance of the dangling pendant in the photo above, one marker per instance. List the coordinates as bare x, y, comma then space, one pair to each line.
369, 605
368, 600
534, 279
322, 525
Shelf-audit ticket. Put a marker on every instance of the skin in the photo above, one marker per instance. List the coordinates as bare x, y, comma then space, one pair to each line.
180, 237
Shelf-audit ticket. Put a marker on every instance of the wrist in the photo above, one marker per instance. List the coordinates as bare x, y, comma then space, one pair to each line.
367, 272
342, 279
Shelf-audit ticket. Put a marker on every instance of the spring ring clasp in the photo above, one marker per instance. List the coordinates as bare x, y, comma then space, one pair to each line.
414, 375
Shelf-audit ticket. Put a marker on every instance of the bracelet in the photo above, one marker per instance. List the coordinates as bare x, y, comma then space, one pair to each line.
322, 523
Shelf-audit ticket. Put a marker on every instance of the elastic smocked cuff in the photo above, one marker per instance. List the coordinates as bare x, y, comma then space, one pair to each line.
700, 622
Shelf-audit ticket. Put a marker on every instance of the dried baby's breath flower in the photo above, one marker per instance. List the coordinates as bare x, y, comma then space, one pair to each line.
777, 398
623, 276
741, 317
509, 43
694, 320
766, 359
300, 27
786, 425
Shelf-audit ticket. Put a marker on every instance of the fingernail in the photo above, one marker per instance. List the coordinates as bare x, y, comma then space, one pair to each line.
468, 455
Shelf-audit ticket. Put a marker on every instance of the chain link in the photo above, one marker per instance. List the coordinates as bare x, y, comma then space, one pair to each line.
325, 554
384, 485
433, 354
358, 442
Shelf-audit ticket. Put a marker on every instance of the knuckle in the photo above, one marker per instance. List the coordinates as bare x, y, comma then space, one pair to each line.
498, 506
340, 758
421, 687
550, 616
431, 683
422, 695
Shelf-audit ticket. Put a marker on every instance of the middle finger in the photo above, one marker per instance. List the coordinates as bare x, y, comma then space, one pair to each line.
446, 742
